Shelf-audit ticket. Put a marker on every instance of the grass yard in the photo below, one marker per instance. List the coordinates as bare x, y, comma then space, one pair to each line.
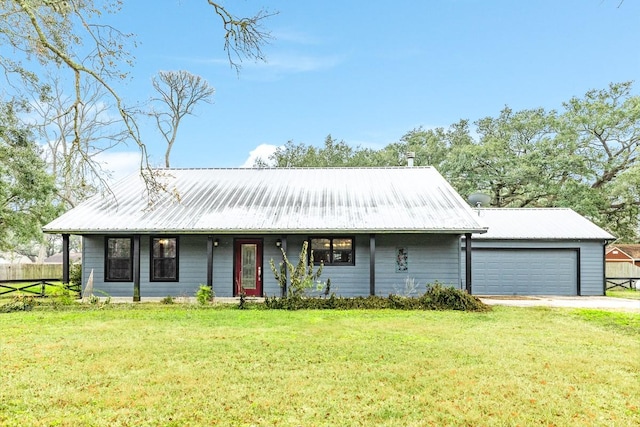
624, 293
33, 287
157, 365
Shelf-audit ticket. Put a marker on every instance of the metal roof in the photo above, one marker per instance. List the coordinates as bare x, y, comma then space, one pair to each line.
278, 200
538, 223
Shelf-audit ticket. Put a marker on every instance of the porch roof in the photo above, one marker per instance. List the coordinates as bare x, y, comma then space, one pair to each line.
278, 200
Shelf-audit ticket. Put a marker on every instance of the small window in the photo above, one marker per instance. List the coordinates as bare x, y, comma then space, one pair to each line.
164, 259
118, 259
333, 250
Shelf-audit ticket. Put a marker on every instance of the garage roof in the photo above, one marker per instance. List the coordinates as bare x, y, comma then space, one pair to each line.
538, 223
279, 200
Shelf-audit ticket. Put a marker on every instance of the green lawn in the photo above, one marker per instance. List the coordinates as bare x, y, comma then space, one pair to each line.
157, 365
624, 293
33, 287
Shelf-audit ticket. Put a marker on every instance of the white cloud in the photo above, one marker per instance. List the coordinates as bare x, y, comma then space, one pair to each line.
294, 63
119, 164
262, 151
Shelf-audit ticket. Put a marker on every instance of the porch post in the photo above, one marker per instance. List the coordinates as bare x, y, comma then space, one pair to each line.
136, 267
210, 261
372, 264
286, 270
65, 258
467, 253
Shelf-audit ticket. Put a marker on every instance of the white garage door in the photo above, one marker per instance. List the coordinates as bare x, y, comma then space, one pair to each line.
525, 272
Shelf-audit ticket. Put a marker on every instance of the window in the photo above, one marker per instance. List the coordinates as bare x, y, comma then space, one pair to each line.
333, 250
118, 259
164, 259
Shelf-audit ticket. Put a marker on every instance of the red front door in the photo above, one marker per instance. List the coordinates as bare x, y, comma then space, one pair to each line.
247, 273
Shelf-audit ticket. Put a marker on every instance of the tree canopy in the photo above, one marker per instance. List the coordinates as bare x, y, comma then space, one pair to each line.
584, 157
26, 187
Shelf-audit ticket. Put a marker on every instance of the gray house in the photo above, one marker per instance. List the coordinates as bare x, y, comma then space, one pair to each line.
372, 228
541, 251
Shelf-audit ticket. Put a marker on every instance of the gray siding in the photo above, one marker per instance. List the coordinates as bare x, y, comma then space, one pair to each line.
430, 258
192, 270
591, 260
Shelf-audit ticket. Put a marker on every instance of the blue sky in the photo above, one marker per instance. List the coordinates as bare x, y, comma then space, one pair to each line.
367, 72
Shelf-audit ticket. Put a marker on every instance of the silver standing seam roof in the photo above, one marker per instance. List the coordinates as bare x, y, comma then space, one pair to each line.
538, 223
278, 200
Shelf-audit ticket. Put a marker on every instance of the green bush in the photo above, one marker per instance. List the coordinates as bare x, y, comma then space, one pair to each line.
75, 274
63, 296
302, 278
167, 300
204, 295
18, 303
437, 297
449, 298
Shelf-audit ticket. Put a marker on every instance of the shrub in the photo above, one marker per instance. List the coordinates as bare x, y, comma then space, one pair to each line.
167, 300
63, 296
75, 274
204, 295
437, 297
449, 298
301, 276
18, 303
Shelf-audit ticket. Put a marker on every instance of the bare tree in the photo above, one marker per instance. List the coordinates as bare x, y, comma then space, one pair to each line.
179, 93
66, 36
74, 165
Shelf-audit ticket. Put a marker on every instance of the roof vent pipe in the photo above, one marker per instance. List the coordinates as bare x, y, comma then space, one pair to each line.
410, 156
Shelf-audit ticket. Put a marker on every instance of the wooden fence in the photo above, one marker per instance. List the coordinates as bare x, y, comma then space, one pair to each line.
29, 271
622, 275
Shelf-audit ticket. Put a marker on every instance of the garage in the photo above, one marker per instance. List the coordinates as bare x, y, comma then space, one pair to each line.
525, 272
537, 251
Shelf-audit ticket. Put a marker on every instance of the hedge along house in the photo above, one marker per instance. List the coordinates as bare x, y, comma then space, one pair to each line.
538, 251
372, 228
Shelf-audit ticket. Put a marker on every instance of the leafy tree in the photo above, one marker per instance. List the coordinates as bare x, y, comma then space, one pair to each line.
332, 154
26, 189
605, 125
178, 94
519, 159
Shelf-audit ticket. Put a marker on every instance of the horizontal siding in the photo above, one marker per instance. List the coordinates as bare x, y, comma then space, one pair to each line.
222, 267
431, 258
351, 280
592, 267
192, 270
93, 260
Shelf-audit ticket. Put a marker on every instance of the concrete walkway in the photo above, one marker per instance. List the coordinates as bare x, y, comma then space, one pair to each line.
607, 303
